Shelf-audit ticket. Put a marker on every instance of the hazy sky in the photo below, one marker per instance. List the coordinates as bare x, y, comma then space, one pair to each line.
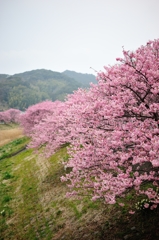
72, 34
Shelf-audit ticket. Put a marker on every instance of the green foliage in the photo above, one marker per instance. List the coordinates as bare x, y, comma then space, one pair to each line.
21, 97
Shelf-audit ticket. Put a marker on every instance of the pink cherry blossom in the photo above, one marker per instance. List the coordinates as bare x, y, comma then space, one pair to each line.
131, 212
146, 205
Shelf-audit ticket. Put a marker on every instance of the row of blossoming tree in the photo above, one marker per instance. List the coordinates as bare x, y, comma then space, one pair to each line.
10, 116
112, 128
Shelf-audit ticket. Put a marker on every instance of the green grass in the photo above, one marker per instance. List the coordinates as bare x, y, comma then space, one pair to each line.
32, 200
33, 204
13, 147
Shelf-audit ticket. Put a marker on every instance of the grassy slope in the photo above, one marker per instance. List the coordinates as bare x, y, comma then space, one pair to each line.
33, 204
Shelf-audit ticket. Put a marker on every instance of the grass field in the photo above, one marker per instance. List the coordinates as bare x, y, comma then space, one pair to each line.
33, 205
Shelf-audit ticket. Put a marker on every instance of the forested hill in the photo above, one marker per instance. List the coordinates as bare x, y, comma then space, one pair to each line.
25, 89
84, 79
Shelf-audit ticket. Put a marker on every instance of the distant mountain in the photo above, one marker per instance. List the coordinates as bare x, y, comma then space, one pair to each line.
28, 88
83, 78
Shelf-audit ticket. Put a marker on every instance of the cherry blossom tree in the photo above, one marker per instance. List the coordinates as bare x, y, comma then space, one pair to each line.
51, 125
10, 116
112, 128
